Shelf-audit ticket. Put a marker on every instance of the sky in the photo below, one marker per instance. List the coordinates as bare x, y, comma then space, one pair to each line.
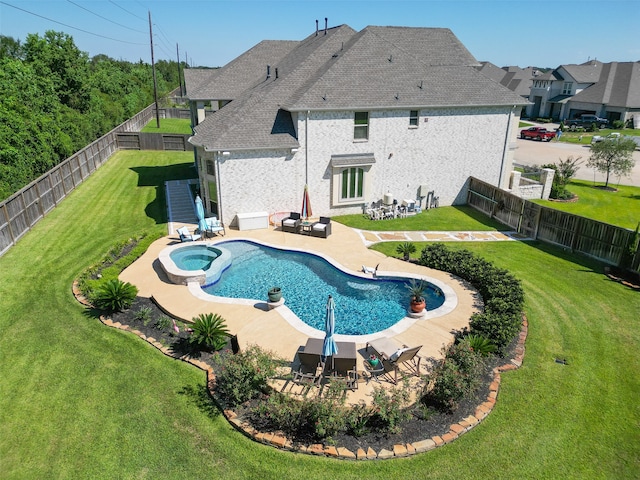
210, 33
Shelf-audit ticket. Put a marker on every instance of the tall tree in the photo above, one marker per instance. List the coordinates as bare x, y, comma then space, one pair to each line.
56, 56
613, 155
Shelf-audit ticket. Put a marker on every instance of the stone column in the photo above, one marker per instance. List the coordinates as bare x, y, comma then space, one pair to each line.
546, 179
514, 182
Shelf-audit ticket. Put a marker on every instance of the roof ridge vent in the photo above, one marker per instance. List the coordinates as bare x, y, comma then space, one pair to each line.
316, 28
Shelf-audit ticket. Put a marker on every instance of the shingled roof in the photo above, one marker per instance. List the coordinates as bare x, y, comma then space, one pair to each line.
376, 68
618, 86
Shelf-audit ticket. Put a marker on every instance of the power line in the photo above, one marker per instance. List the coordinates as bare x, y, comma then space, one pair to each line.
124, 9
69, 26
104, 18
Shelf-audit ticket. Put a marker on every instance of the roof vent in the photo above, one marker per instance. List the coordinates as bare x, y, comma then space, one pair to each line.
325, 25
268, 71
391, 58
276, 72
420, 86
316, 28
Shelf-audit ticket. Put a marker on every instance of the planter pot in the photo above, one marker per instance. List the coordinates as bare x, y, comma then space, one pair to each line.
417, 307
275, 294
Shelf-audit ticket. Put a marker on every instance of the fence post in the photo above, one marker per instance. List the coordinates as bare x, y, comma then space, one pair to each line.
546, 179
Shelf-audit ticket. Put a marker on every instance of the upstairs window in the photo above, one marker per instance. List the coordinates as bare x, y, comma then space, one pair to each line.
413, 118
361, 126
567, 87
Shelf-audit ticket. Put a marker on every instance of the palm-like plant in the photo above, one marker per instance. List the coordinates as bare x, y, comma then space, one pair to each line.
406, 249
210, 331
480, 344
115, 295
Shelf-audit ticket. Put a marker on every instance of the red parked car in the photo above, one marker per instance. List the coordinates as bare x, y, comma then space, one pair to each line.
537, 133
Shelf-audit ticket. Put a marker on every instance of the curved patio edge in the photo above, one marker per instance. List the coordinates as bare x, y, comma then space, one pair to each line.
278, 440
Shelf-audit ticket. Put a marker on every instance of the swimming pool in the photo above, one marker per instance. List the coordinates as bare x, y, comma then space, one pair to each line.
363, 305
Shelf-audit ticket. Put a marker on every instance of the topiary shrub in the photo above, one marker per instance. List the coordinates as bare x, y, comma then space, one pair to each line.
209, 331
114, 296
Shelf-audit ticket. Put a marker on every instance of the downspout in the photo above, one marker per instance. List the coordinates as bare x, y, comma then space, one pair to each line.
504, 149
218, 189
306, 148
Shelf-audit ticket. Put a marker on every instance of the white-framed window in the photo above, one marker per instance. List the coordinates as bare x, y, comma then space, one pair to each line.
361, 126
413, 118
566, 88
351, 178
352, 184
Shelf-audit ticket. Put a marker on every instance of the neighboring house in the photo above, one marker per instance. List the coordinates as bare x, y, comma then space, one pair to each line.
516, 79
355, 116
609, 90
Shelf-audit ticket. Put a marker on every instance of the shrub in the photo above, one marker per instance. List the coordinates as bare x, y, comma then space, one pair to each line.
618, 124
209, 331
480, 344
455, 377
502, 293
115, 296
143, 315
243, 376
357, 419
406, 249
390, 408
163, 323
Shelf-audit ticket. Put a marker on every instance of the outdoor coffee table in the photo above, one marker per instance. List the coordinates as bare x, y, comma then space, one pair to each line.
305, 228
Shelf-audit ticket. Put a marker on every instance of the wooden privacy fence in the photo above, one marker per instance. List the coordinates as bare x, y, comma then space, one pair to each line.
153, 141
25, 208
599, 240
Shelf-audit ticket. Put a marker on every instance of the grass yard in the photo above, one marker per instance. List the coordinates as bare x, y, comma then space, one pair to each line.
82, 400
584, 138
621, 208
460, 217
169, 125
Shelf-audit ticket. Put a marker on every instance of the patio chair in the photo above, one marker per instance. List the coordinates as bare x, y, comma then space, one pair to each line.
321, 229
346, 368
214, 226
310, 371
395, 355
291, 224
185, 236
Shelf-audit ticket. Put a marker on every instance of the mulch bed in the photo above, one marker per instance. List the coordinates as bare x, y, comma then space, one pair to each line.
416, 429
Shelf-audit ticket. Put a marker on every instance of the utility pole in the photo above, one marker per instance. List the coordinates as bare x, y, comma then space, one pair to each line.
179, 76
153, 69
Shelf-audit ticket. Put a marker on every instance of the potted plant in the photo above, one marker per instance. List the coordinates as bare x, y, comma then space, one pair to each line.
275, 294
416, 294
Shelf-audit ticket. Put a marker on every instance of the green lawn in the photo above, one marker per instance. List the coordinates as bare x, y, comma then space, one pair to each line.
81, 400
169, 125
584, 138
436, 219
621, 208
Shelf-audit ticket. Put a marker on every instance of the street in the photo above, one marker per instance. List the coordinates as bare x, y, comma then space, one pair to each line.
531, 152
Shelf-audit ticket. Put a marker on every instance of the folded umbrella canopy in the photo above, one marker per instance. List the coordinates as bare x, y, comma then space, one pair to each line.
306, 204
329, 347
202, 224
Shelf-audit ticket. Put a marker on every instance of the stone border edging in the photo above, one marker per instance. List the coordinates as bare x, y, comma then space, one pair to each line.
278, 440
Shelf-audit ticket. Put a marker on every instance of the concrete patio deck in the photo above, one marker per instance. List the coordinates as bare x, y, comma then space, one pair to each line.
255, 324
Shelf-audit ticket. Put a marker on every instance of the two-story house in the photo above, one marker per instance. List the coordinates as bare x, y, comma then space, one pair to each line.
609, 90
355, 116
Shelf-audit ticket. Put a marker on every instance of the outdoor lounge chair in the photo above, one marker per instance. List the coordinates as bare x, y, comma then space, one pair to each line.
185, 236
291, 224
310, 371
322, 228
214, 226
346, 368
395, 355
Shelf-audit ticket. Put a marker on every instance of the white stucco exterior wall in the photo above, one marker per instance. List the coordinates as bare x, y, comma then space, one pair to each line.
447, 147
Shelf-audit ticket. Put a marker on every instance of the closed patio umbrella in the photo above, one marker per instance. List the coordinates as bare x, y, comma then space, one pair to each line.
329, 347
306, 204
202, 224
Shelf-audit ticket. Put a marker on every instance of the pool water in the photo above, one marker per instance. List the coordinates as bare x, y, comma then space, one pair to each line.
194, 257
362, 305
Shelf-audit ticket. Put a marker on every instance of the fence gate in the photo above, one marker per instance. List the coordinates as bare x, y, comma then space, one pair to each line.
529, 221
